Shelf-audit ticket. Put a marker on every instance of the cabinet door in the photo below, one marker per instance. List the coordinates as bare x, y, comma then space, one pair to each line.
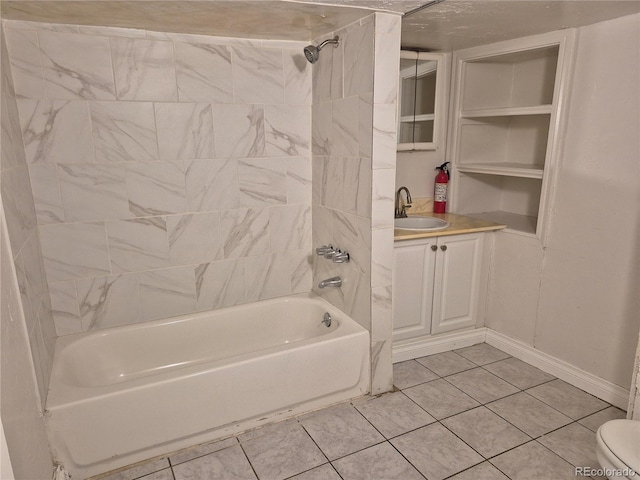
413, 270
455, 295
422, 100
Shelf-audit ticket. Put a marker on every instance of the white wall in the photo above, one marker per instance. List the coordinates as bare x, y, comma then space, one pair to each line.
416, 170
579, 300
589, 312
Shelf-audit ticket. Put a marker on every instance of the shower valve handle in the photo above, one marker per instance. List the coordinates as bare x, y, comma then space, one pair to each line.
341, 257
324, 250
329, 254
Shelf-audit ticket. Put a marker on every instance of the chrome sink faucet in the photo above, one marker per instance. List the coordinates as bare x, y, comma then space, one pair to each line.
401, 207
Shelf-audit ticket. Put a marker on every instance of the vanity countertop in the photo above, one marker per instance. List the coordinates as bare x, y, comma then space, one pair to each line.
459, 224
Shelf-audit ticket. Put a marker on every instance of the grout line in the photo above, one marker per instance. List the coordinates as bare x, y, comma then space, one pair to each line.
388, 440
248, 460
463, 441
557, 454
408, 461
468, 468
358, 451
202, 455
566, 415
312, 439
520, 388
486, 458
309, 469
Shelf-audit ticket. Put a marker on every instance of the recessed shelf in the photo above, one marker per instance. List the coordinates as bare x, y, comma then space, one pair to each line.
504, 145
507, 111
509, 169
513, 221
516, 79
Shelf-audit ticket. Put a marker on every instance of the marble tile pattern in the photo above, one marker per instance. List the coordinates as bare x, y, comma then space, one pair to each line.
170, 173
76, 70
203, 73
20, 212
353, 173
144, 69
398, 435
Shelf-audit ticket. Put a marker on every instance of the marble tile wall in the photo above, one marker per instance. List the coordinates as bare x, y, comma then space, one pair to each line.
171, 173
354, 156
20, 214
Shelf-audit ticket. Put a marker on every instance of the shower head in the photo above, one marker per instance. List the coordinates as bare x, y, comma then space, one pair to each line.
313, 53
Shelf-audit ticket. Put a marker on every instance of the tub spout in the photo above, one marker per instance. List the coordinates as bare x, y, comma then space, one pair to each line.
330, 282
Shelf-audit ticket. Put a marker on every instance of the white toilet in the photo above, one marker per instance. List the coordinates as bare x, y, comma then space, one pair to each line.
618, 449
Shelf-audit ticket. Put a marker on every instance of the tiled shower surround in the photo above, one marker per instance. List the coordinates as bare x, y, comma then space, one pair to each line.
354, 154
169, 176
173, 173
20, 215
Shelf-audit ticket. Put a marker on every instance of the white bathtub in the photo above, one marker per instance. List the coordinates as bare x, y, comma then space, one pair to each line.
129, 393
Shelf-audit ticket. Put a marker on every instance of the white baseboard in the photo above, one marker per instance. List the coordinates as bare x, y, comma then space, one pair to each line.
420, 347
603, 389
577, 377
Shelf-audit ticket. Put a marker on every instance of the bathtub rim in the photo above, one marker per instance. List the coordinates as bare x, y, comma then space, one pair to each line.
64, 340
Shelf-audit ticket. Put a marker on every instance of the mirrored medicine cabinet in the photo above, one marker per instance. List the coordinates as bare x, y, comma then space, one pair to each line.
422, 100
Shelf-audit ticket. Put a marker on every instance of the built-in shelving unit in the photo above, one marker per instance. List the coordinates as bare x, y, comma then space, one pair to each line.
505, 128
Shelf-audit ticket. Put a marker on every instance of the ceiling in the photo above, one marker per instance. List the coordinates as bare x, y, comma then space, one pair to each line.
274, 19
455, 24
442, 26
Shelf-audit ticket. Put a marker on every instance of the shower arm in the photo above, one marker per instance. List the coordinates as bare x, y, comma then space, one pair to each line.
334, 40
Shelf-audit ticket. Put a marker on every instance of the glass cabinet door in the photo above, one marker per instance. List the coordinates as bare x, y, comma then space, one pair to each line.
420, 99
425, 101
407, 103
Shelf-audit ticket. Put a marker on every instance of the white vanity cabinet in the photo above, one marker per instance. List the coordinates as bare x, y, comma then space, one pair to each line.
414, 266
436, 284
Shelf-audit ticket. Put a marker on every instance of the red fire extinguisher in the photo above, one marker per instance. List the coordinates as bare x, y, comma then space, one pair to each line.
440, 191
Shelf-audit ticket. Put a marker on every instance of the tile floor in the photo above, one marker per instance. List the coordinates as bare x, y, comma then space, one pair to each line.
470, 414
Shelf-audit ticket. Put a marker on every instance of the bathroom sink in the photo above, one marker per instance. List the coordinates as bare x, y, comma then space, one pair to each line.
427, 224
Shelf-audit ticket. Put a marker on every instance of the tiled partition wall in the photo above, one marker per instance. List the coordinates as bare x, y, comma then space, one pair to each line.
354, 155
17, 202
171, 173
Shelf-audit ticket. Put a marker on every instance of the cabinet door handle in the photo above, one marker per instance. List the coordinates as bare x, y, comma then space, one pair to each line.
434, 247
443, 247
